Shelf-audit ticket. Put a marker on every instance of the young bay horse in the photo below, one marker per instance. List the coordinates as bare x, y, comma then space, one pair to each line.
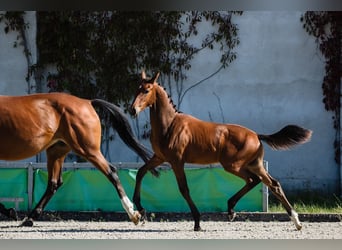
178, 138
60, 123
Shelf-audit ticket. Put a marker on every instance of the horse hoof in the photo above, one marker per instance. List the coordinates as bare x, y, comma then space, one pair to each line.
12, 214
231, 216
299, 227
196, 229
136, 218
27, 222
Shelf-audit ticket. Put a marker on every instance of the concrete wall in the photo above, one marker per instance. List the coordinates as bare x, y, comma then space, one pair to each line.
275, 80
13, 63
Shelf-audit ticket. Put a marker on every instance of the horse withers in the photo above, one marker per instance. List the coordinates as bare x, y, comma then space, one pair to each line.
60, 123
179, 138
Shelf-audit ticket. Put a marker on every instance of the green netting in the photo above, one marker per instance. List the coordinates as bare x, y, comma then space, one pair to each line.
89, 190
13, 184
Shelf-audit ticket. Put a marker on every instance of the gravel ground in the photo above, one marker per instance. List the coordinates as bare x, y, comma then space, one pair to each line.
170, 230
182, 228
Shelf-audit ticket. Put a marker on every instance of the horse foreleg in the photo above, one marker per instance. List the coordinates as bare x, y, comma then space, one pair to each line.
55, 158
38, 210
184, 189
10, 212
153, 163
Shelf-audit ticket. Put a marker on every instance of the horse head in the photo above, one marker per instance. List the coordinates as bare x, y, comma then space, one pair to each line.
145, 96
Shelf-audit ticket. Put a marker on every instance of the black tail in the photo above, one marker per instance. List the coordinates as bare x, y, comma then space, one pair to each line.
121, 124
287, 137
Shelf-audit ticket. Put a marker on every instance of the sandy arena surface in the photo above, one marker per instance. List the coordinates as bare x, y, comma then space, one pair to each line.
71, 229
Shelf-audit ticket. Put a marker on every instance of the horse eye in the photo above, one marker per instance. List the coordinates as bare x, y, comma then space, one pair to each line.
146, 91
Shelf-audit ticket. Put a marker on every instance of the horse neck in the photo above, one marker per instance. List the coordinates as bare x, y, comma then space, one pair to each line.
162, 111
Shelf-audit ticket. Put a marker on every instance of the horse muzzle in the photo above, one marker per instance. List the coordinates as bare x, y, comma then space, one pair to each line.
134, 111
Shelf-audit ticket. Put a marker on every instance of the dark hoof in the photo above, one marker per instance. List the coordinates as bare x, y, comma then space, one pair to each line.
12, 214
196, 229
27, 222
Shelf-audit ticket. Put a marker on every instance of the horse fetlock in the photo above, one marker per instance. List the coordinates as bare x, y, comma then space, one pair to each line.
128, 206
36, 213
143, 217
231, 216
295, 220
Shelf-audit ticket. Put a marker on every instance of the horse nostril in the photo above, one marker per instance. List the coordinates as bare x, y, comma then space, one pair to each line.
132, 111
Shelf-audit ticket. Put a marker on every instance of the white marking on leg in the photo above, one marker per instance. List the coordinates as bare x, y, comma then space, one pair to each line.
128, 206
295, 220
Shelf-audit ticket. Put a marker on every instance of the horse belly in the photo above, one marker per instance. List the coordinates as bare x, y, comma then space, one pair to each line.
201, 156
15, 148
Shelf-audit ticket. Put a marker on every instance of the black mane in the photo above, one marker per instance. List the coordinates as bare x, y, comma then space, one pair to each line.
170, 100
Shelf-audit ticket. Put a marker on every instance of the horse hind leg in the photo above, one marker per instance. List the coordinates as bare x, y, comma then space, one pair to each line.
126, 203
278, 192
110, 171
55, 158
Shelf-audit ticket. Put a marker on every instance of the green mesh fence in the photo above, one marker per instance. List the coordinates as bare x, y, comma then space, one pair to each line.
90, 190
13, 184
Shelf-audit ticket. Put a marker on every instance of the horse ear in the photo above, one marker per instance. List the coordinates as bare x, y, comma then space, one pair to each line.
143, 75
155, 78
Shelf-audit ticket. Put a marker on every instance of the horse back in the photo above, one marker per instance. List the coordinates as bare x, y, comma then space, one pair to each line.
203, 142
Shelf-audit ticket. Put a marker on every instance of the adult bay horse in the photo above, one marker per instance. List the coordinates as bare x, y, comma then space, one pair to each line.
178, 138
60, 123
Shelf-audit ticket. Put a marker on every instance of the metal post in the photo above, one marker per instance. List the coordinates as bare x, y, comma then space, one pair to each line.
340, 137
265, 192
30, 184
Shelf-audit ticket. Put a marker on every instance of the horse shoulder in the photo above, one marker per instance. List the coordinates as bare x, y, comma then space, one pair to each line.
179, 132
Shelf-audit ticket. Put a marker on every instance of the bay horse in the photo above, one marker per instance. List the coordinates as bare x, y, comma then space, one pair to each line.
60, 123
178, 138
